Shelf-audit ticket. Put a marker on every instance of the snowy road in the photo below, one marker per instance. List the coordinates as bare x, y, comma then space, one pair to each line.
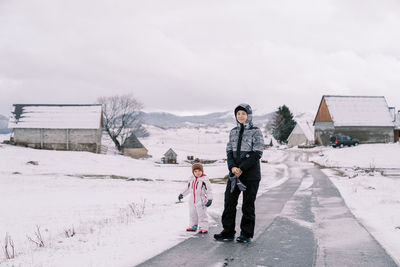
303, 222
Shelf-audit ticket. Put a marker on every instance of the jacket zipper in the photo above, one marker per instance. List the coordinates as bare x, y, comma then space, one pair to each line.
194, 190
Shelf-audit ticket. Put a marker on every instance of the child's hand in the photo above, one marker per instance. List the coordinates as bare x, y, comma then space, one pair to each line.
180, 197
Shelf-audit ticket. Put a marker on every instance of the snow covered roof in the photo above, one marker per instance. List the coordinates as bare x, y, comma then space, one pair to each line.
359, 110
132, 142
304, 127
56, 116
307, 128
170, 153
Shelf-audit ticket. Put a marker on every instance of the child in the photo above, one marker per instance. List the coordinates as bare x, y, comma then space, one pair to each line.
200, 198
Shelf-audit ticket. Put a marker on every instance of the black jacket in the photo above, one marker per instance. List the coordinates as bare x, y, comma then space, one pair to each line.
245, 148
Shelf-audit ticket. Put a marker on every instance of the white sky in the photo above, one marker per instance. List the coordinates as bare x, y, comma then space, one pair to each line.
198, 56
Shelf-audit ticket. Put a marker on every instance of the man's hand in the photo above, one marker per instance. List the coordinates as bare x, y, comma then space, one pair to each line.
237, 171
234, 170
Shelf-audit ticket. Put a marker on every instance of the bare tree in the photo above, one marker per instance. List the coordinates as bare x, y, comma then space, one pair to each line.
38, 239
122, 117
69, 232
9, 249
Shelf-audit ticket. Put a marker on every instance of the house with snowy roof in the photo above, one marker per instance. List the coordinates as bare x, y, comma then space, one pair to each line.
302, 134
57, 127
366, 118
170, 157
132, 147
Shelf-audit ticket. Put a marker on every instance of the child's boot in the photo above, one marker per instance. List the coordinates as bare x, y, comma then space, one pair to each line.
192, 229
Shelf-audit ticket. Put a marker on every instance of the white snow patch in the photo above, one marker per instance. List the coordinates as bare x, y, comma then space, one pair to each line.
374, 200
53, 196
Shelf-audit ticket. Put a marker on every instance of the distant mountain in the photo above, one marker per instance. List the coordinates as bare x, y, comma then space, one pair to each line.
304, 116
166, 120
4, 125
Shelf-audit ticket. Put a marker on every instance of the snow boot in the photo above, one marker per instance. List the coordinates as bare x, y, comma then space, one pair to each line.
243, 239
223, 236
192, 229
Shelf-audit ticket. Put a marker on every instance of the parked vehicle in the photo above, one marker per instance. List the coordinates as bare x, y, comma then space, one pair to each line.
343, 140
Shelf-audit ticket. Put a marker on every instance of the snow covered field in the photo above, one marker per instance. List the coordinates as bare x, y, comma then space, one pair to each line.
72, 192
363, 156
372, 197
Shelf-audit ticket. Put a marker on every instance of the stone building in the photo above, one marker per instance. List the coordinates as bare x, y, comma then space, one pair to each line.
170, 157
132, 147
57, 127
302, 134
366, 118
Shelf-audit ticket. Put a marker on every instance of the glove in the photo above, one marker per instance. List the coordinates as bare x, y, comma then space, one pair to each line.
233, 184
209, 202
180, 197
236, 182
231, 177
240, 185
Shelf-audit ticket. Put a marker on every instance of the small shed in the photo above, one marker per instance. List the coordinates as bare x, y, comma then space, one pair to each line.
366, 118
302, 134
132, 147
270, 141
57, 127
170, 157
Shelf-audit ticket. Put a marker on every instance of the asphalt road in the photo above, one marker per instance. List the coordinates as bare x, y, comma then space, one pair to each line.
303, 222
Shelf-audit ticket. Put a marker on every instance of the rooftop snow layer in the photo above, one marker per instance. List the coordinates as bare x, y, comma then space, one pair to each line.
56, 116
359, 110
308, 129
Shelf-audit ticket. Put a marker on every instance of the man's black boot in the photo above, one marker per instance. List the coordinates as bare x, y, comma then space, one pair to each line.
224, 236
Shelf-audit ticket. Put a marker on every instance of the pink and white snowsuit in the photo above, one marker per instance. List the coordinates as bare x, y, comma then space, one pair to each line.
200, 192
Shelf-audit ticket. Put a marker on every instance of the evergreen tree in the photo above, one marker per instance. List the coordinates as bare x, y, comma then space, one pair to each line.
283, 124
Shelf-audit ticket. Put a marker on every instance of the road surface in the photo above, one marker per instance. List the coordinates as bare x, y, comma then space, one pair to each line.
302, 222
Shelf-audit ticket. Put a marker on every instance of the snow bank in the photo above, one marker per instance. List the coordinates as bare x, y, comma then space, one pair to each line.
374, 200
363, 156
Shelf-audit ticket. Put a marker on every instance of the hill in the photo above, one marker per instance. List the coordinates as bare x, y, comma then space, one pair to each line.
167, 120
4, 125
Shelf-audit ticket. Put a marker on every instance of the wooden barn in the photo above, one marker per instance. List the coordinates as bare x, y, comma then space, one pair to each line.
302, 134
170, 157
57, 127
132, 147
366, 118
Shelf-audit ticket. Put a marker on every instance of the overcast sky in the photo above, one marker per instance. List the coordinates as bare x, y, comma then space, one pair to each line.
192, 57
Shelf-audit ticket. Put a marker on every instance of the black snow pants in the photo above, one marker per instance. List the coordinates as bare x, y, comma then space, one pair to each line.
248, 208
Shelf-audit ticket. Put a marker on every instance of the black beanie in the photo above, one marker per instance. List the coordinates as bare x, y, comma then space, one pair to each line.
240, 108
